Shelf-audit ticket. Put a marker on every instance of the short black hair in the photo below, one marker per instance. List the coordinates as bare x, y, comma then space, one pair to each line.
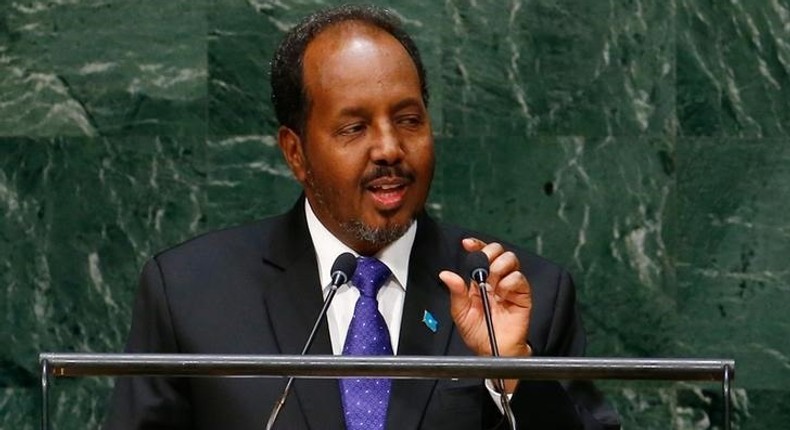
288, 93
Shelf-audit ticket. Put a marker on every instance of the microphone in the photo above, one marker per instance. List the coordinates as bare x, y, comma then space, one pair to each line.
344, 266
342, 270
477, 265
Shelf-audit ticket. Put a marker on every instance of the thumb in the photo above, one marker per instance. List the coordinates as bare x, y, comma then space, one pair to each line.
456, 285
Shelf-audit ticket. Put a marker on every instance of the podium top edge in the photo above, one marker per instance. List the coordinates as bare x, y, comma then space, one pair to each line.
55, 358
94, 364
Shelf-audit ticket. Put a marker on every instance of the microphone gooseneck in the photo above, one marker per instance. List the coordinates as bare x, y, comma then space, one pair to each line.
477, 265
342, 270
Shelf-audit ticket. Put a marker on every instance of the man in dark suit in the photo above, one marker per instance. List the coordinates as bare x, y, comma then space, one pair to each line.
350, 93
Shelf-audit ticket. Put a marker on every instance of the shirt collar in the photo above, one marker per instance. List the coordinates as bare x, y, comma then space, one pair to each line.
328, 247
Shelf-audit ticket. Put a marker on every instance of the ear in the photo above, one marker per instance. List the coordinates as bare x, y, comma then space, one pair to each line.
291, 147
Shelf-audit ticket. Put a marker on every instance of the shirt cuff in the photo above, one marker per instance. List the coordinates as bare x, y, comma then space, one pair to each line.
495, 396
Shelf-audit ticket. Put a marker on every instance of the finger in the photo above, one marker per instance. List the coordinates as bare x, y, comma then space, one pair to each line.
493, 250
514, 288
472, 244
503, 265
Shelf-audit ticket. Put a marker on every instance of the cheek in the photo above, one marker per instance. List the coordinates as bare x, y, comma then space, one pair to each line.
424, 161
336, 178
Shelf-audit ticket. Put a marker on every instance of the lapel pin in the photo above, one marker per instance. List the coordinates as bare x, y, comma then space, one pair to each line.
430, 321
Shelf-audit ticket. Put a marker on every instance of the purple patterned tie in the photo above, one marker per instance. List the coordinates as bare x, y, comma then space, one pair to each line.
365, 400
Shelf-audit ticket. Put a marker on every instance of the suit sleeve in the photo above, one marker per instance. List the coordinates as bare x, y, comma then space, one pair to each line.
141, 403
555, 405
568, 338
566, 335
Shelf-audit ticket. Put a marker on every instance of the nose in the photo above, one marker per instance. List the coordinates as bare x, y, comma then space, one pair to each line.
387, 149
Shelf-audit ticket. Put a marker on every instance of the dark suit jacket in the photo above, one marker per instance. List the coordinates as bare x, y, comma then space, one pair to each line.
254, 290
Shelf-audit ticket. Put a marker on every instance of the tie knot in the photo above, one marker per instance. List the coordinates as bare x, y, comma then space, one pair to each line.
370, 275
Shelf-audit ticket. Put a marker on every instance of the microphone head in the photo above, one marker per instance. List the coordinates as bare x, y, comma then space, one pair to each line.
477, 266
343, 268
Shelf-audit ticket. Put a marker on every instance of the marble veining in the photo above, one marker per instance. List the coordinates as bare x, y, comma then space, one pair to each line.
641, 144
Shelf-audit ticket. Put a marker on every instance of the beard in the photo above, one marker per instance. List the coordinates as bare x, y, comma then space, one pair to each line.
376, 237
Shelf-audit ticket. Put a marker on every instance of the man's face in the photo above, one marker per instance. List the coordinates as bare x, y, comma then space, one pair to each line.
366, 157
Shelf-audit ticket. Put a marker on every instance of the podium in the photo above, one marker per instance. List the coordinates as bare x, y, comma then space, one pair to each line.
59, 365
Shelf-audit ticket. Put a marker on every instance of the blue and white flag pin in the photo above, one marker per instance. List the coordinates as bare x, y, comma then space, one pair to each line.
431, 322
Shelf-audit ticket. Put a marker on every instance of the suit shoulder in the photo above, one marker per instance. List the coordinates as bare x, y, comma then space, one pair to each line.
237, 240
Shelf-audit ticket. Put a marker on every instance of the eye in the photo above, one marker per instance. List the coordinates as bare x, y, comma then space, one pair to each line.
411, 121
351, 129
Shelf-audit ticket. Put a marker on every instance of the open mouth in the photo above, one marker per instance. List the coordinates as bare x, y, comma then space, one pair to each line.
388, 193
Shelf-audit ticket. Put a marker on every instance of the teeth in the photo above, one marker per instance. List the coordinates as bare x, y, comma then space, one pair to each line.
385, 187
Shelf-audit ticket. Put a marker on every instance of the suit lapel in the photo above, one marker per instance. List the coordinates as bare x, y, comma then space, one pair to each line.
425, 292
293, 301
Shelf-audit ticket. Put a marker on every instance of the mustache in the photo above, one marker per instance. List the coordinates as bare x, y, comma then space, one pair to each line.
388, 172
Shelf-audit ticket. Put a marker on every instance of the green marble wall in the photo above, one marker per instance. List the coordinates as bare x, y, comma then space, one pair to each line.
642, 143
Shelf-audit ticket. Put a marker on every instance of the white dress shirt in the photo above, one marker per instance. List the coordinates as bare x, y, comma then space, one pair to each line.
391, 296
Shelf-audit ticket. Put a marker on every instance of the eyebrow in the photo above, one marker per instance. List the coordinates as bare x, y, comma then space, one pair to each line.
407, 102
353, 111
361, 111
